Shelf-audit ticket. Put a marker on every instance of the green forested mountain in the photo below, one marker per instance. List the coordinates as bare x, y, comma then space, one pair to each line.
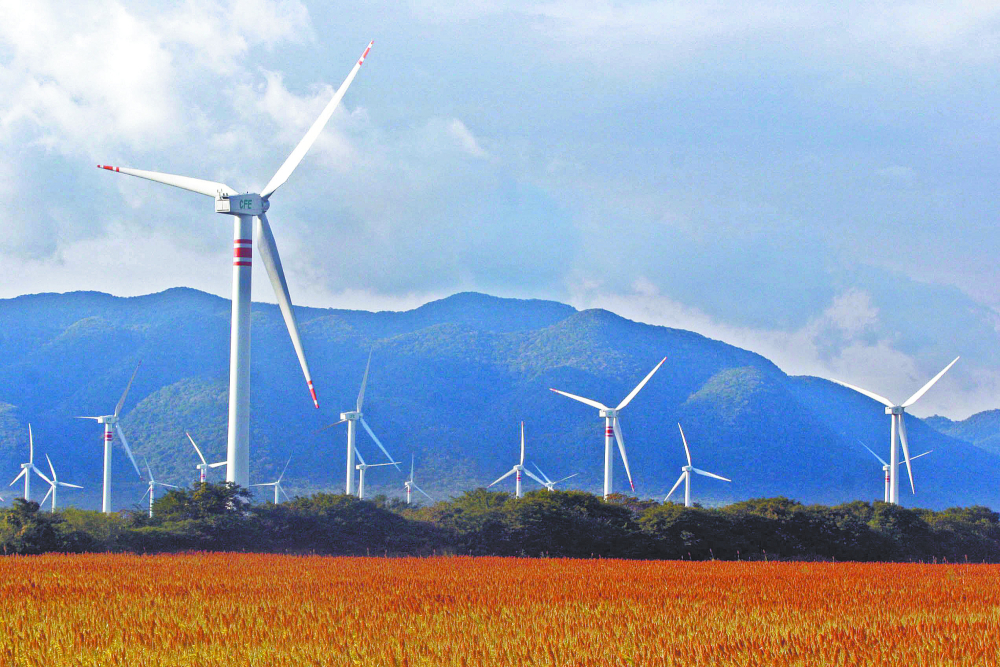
450, 382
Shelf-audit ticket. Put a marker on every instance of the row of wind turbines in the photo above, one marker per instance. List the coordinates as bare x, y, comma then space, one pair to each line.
251, 227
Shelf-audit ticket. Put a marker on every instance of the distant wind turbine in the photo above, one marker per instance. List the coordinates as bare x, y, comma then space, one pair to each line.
245, 208
204, 465
151, 491
111, 422
352, 418
29, 467
898, 431
410, 485
686, 474
518, 469
362, 467
885, 466
549, 484
54, 483
612, 429
277, 483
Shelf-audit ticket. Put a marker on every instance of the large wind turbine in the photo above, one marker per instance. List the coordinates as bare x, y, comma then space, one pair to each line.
518, 469
245, 208
29, 467
362, 467
410, 485
151, 491
352, 418
549, 484
204, 465
277, 483
54, 483
612, 430
898, 430
686, 474
885, 466
111, 422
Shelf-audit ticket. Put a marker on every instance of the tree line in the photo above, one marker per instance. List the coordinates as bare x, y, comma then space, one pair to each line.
220, 517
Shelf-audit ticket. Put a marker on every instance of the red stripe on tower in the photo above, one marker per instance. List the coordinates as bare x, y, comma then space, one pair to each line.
243, 252
242, 241
609, 432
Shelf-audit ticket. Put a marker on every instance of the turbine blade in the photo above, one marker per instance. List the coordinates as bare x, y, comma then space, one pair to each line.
628, 399
320, 430
870, 394
217, 465
422, 491
19, 476
72, 486
281, 490
285, 469
533, 476
364, 381
565, 478
94, 418
149, 490
148, 471
202, 187
31, 445
292, 161
377, 441
873, 453
40, 474
919, 455
621, 448
522, 443
411, 467
51, 469
128, 450
586, 401
390, 463
272, 262
923, 390
674, 487
906, 451
121, 401
200, 455
547, 480
357, 453
512, 471
49, 493
684, 440
711, 474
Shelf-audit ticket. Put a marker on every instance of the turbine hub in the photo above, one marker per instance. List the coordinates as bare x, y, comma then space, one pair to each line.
351, 416
241, 205
609, 414
897, 410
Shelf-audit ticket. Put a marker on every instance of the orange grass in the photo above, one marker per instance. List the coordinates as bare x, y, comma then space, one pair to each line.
225, 609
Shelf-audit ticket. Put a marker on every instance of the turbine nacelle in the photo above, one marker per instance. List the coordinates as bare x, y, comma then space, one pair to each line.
350, 416
608, 413
245, 204
895, 410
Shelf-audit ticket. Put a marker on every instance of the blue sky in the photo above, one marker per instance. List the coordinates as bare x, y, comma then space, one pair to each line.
812, 182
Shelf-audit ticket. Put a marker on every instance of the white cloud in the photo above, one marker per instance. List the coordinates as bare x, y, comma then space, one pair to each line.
465, 138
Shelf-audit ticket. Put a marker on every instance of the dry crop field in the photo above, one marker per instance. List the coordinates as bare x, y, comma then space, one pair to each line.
226, 609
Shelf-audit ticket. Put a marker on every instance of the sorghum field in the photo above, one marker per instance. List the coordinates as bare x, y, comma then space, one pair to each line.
225, 609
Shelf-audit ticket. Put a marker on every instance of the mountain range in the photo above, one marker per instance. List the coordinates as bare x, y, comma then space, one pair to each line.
450, 382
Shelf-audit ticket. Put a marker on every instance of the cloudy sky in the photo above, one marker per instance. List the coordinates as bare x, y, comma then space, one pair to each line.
814, 182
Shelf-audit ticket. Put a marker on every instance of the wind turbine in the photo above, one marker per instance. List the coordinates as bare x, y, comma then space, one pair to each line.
352, 418
549, 484
361, 472
885, 466
686, 474
245, 208
151, 491
204, 465
54, 483
410, 485
277, 483
29, 467
111, 422
898, 430
518, 469
612, 430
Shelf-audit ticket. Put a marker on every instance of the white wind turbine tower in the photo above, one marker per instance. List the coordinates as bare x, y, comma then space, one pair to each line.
277, 484
885, 466
29, 467
151, 491
54, 483
111, 422
898, 430
204, 465
352, 418
549, 484
245, 208
410, 485
362, 467
518, 469
612, 429
686, 474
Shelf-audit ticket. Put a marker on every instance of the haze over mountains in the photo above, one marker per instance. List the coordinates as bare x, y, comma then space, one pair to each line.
449, 383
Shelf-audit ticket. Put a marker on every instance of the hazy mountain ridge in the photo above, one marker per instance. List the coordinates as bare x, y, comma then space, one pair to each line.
981, 429
449, 382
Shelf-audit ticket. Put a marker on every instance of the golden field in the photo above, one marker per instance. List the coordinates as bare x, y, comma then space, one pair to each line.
225, 609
